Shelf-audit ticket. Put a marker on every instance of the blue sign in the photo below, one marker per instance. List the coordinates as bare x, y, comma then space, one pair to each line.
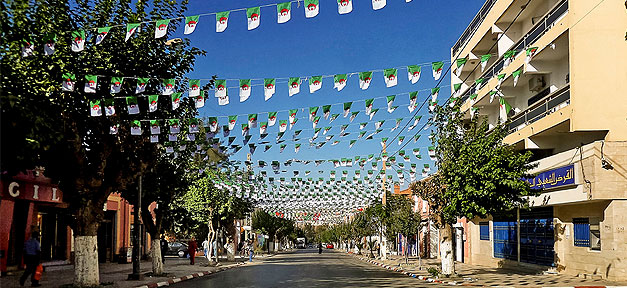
553, 178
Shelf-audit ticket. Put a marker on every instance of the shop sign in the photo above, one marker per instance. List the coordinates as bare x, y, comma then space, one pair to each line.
31, 192
558, 177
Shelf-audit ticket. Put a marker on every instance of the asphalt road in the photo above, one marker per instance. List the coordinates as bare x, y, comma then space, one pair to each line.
306, 268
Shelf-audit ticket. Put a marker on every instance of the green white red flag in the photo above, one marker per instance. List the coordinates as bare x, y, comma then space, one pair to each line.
413, 98
460, 65
91, 83
102, 34
176, 100
222, 21
252, 120
78, 40
190, 24
244, 89
136, 127
194, 87
284, 12
96, 109
369, 104
311, 8
109, 106
200, 99
263, 127
390, 77
434, 93
436, 67
167, 86
69, 81
268, 88
292, 116
516, 75
312, 112
141, 85
339, 81
131, 105
49, 41
326, 111
155, 127
116, 84
390, 100
272, 118
315, 83
282, 125
413, 73
484, 61
153, 102
347, 108
364, 79
175, 128
254, 17
504, 109
131, 28
344, 6
531, 51
220, 88
161, 28
294, 86
378, 4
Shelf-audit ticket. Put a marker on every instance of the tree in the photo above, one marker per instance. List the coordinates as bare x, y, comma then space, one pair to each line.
401, 218
274, 227
53, 129
478, 175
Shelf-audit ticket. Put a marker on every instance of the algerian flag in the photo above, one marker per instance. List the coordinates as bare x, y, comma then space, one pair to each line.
116, 84
174, 126
225, 131
416, 152
130, 30
383, 141
350, 145
176, 100
131, 105
96, 109
369, 103
78, 40
391, 101
154, 127
220, 88
531, 51
266, 148
413, 98
268, 88
343, 128
500, 79
344, 6
339, 81
457, 89
222, 21
284, 12
335, 143
161, 28
311, 8
400, 140
398, 122
193, 125
353, 116
141, 85
364, 80
49, 41
252, 120
473, 96
315, 121
281, 148
473, 111
232, 121
113, 129
155, 139
390, 77
282, 125
378, 4
91, 82
516, 75
312, 112
253, 14
361, 134
492, 93
432, 105
326, 130
432, 153
478, 83
508, 57
347, 108
296, 147
69, 80
190, 24
153, 101
413, 73
263, 127
200, 100
292, 116
333, 117
167, 86
504, 109
315, 83
316, 131
363, 125
136, 127
27, 48
294, 85
373, 112
102, 33
460, 65
109, 107
437, 69
427, 169
244, 89
378, 124
434, 93
326, 111
271, 118
484, 61
194, 87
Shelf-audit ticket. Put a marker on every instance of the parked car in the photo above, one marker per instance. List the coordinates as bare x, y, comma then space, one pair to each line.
329, 246
177, 248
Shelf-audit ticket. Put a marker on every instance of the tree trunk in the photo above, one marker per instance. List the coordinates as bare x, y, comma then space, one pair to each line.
406, 250
446, 250
86, 271
155, 253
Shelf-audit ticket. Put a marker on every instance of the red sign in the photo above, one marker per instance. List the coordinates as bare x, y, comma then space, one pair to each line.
31, 188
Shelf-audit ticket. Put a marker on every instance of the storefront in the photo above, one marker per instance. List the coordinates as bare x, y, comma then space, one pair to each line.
30, 202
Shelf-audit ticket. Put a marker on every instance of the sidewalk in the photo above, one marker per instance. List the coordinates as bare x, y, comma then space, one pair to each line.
115, 275
474, 275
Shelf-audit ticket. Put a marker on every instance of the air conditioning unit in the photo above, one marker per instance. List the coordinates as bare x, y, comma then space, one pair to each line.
536, 83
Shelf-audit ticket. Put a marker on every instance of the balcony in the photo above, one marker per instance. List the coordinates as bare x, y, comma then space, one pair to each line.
474, 24
539, 29
549, 104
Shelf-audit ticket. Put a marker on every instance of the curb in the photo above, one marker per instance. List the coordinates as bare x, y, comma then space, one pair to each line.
453, 283
188, 277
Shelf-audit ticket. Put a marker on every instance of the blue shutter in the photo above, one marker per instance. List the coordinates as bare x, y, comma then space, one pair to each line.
582, 232
484, 230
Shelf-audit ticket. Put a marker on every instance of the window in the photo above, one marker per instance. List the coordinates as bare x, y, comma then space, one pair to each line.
484, 230
595, 234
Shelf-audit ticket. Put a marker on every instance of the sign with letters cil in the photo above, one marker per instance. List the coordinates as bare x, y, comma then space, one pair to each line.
42, 192
562, 176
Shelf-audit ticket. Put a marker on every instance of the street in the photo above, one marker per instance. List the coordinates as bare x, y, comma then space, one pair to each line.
306, 268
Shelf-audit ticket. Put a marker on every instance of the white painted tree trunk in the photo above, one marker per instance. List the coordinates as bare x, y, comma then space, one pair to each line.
446, 250
155, 254
86, 261
230, 252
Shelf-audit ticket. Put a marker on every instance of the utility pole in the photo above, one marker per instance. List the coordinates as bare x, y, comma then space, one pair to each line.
136, 275
383, 247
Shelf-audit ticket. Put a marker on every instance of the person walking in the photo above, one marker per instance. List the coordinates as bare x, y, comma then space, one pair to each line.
205, 248
191, 249
319, 248
164, 248
32, 253
251, 251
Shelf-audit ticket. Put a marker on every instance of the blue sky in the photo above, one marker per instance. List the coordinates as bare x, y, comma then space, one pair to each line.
398, 35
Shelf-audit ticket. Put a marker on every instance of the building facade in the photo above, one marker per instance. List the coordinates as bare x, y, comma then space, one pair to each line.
555, 71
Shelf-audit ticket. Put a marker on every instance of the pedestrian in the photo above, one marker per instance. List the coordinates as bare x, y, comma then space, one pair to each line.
319, 248
191, 249
250, 251
164, 248
32, 253
205, 248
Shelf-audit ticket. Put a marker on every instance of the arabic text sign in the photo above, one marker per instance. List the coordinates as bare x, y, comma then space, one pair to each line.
553, 178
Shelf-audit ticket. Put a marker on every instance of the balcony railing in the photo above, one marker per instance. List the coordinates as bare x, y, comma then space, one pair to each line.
474, 24
539, 29
551, 103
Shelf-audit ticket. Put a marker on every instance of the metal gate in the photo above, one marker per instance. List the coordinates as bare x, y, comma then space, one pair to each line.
537, 236
505, 239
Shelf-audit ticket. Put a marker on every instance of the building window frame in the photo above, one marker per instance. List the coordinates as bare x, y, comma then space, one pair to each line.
587, 232
484, 230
